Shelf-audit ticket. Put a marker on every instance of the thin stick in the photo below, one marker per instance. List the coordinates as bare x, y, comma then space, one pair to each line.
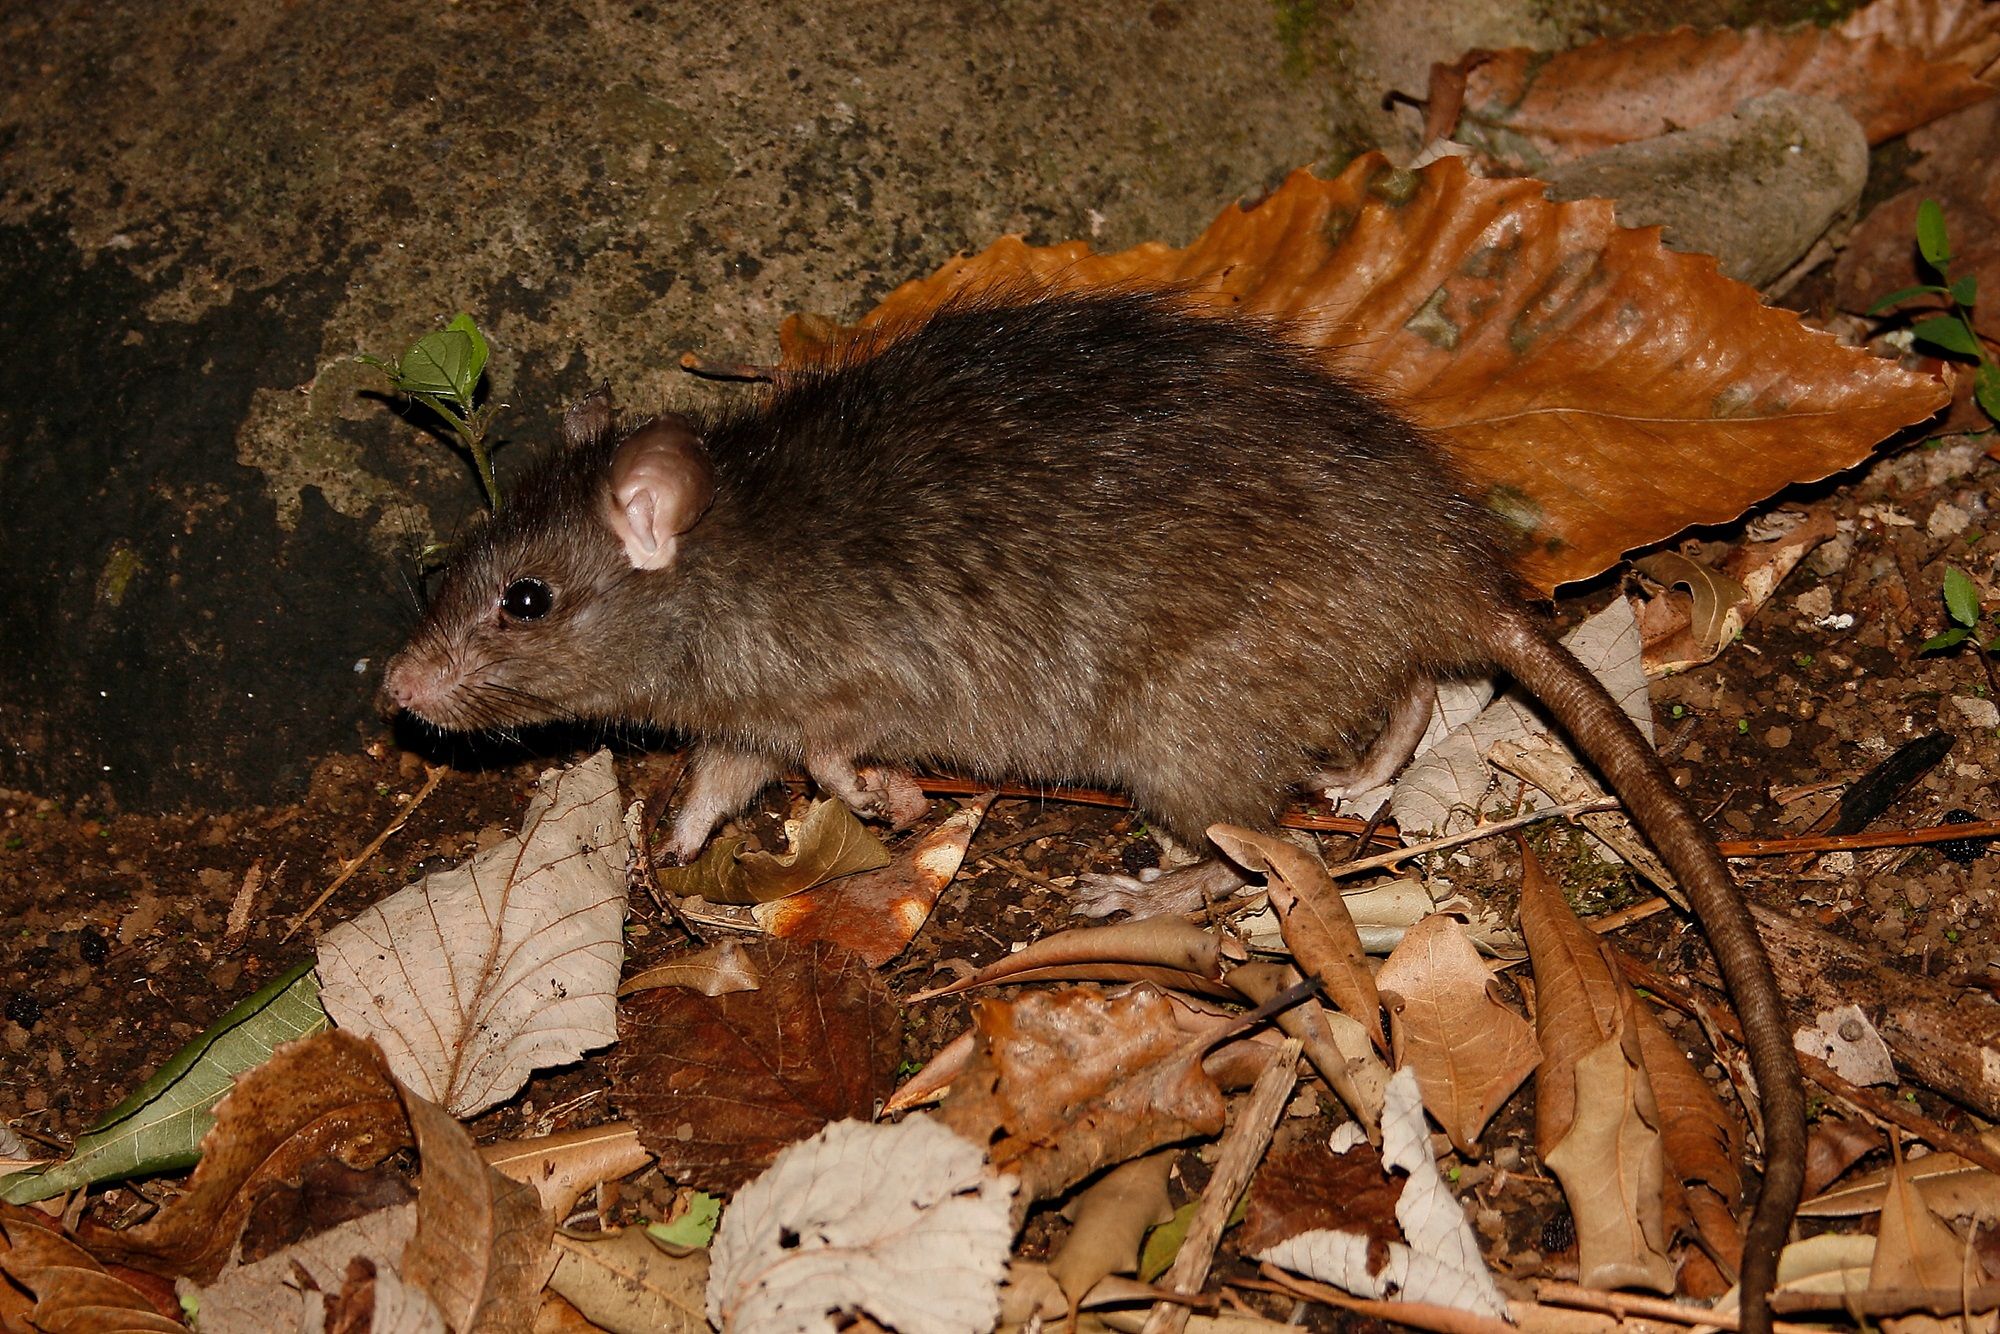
433, 775
1886, 838
1417, 1315
1619, 1305
1241, 1149
1474, 835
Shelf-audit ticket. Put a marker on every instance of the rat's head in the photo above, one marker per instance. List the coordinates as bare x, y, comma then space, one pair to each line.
548, 610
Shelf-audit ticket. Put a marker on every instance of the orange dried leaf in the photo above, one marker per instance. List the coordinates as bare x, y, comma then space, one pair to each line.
1529, 110
1597, 390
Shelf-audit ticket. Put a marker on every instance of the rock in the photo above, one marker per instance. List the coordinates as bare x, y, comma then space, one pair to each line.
1755, 188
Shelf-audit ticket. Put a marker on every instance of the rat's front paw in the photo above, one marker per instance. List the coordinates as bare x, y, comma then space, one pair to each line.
891, 795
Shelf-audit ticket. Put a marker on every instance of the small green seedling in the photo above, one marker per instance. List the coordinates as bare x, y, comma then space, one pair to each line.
1950, 331
1961, 602
442, 371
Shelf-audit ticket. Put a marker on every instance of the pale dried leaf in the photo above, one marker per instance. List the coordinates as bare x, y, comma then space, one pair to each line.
1108, 1221
1846, 1040
902, 1222
1441, 1265
475, 977
1951, 1186
828, 843
1344, 1053
267, 1295
722, 968
1467, 1051
562, 1166
625, 1282
1914, 1249
1440, 790
1613, 1171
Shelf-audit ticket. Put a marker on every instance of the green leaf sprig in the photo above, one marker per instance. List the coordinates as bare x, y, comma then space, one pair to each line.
1961, 603
1951, 331
442, 370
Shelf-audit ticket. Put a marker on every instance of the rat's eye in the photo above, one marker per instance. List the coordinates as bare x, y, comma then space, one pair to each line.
527, 600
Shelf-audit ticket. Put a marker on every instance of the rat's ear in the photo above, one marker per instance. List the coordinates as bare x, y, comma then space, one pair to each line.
589, 418
661, 483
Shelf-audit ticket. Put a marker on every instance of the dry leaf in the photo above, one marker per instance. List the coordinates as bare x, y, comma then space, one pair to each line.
1914, 1249
719, 1084
475, 977
903, 1222
716, 971
1600, 392
1062, 1083
1613, 1172
1317, 928
1307, 1187
1440, 1265
1338, 1047
1108, 1221
1171, 951
327, 1095
72, 1290
1951, 1186
1681, 631
1467, 1051
624, 1282
828, 843
1966, 31
562, 1166
876, 913
266, 1295
1524, 111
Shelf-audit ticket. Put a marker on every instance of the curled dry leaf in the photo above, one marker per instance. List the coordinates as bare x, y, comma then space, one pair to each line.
1063, 1083
1951, 1185
562, 1166
1613, 1171
716, 971
903, 1222
474, 978
1599, 391
481, 1249
719, 1084
1524, 111
1683, 630
72, 1289
1108, 1221
1466, 1050
1171, 951
328, 1095
1314, 918
876, 913
624, 1282
828, 843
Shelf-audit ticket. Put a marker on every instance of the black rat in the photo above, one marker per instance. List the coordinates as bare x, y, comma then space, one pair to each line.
1096, 538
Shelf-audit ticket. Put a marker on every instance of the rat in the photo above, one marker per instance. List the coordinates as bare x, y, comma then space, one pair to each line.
1103, 538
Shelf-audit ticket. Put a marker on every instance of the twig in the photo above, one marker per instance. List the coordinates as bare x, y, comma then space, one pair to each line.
1417, 1315
1893, 1301
1473, 835
1622, 1304
1886, 838
433, 775
1241, 1149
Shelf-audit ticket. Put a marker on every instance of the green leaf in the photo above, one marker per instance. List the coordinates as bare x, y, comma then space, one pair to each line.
159, 1127
1965, 289
1949, 639
1905, 293
1986, 389
463, 324
440, 363
1163, 1243
1931, 241
1948, 332
695, 1228
1961, 596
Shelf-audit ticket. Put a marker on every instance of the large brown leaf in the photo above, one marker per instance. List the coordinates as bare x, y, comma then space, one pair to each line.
1601, 392
719, 1084
1526, 111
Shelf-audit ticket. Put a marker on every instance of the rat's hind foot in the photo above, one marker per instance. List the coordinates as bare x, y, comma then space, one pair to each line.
1387, 753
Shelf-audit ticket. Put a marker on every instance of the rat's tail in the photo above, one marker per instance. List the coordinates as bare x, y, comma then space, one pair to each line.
1523, 649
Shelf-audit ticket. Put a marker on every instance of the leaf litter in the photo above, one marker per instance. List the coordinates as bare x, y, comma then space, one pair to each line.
1549, 350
